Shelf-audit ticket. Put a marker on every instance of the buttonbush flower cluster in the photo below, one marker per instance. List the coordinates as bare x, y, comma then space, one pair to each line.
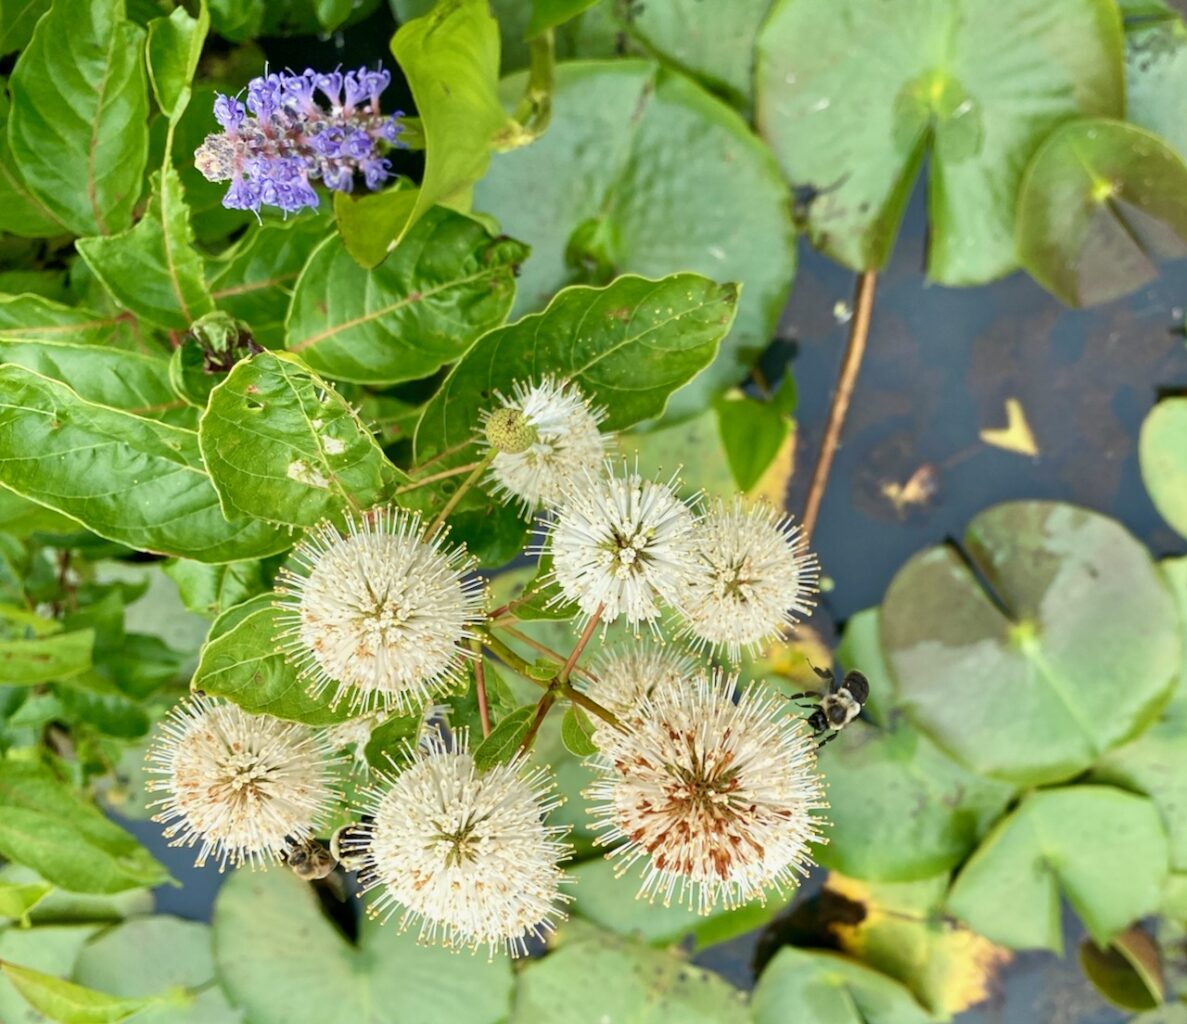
711, 794
296, 129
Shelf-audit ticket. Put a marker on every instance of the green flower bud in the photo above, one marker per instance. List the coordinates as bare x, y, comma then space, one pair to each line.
508, 430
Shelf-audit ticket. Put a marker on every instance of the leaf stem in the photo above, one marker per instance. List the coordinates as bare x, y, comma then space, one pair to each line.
863, 306
507, 655
445, 474
547, 699
443, 454
591, 705
480, 690
479, 468
586, 633
538, 647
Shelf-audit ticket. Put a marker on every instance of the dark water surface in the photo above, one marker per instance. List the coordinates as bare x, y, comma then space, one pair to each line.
940, 365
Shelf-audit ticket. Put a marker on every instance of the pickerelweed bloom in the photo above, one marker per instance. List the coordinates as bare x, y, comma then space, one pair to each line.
468, 855
545, 437
621, 544
716, 798
242, 786
624, 676
380, 613
754, 576
273, 148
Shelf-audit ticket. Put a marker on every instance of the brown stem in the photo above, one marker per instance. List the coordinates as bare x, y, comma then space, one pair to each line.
480, 689
463, 487
539, 648
590, 626
542, 709
859, 330
509, 657
445, 474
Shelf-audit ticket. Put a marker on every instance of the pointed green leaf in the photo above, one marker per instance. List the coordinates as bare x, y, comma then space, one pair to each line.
577, 732
44, 659
174, 46
1103, 849
69, 1003
505, 738
31, 317
450, 57
45, 826
17, 899
628, 346
281, 444
78, 127
209, 590
128, 479
422, 308
153, 269
970, 86
242, 663
752, 433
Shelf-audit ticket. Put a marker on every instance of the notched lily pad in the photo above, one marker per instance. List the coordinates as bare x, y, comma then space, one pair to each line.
1101, 204
1058, 642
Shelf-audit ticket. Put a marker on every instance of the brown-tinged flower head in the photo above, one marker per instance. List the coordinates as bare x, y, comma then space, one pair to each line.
381, 612
623, 676
754, 576
621, 544
716, 799
466, 854
546, 436
241, 787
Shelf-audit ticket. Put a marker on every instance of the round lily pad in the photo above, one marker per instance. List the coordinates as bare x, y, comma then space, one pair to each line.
1163, 453
853, 96
1156, 78
1102, 202
1102, 849
1048, 640
642, 171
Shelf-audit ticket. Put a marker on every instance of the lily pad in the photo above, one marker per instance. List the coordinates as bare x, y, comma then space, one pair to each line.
824, 988
595, 976
1104, 849
1156, 79
1057, 640
1102, 202
282, 962
853, 96
1163, 452
641, 171
922, 815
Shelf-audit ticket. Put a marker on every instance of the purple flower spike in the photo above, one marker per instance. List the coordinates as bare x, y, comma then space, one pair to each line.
229, 112
273, 149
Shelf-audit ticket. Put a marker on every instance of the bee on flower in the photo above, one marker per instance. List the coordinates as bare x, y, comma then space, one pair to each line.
379, 613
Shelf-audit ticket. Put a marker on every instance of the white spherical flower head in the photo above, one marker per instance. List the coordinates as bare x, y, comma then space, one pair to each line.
466, 854
626, 675
716, 798
381, 613
620, 544
754, 577
242, 786
560, 441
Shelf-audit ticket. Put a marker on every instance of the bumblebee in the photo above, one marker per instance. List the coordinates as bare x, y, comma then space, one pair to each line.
837, 706
308, 859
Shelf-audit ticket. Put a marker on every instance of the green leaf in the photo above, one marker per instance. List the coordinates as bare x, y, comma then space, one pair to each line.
21, 212
548, 14
388, 976
241, 663
621, 183
628, 346
52, 949
281, 444
1156, 79
597, 976
33, 317
1101, 204
450, 57
148, 954
505, 738
752, 433
46, 827
153, 269
577, 732
17, 22
925, 814
174, 46
133, 382
78, 131
44, 659
16, 900
1127, 973
209, 590
1074, 648
856, 130
449, 282
1163, 452
69, 1003
128, 479
603, 897
386, 745
254, 279
1104, 849
833, 989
